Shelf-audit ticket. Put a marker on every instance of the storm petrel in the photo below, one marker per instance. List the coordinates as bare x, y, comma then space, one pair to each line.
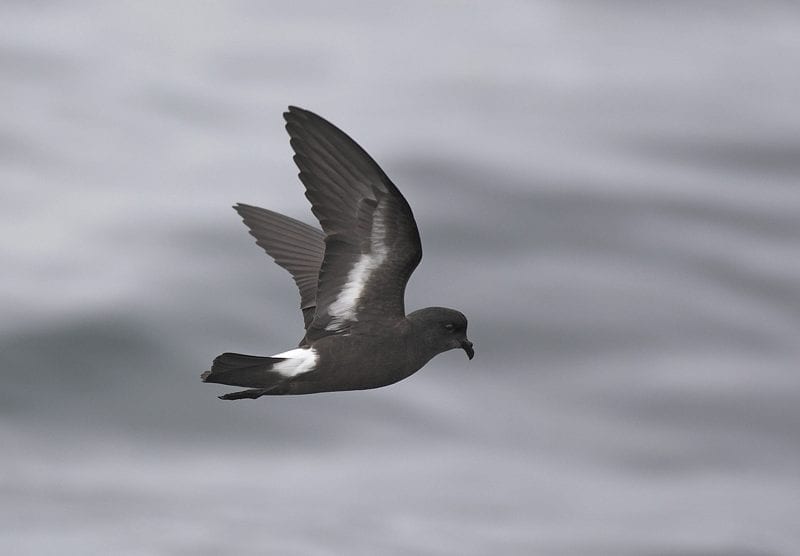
352, 277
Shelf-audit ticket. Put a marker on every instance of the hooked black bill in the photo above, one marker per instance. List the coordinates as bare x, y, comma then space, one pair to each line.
466, 345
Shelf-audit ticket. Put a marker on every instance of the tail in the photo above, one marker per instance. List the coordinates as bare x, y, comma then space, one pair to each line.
251, 371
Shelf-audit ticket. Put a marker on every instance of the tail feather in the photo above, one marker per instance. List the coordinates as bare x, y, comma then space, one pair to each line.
250, 371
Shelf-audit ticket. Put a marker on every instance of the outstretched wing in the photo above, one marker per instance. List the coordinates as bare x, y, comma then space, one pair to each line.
296, 246
372, 243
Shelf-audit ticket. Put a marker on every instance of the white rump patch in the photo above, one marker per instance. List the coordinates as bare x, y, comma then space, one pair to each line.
344, 308
298, 361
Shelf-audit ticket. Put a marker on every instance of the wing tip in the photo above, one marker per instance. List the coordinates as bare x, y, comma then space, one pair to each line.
250, 211
242, 210
296, 116
294, 112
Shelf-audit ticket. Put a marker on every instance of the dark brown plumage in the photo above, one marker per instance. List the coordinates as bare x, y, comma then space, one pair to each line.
351, 276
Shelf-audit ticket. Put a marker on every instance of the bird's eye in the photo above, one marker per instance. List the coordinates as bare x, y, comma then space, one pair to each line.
449, 326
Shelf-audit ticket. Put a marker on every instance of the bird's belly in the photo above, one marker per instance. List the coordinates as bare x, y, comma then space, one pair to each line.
341, 369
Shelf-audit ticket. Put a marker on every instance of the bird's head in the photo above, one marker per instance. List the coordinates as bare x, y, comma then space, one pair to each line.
443, 329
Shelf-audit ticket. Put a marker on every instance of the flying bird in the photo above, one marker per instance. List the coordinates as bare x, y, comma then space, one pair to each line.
352, 277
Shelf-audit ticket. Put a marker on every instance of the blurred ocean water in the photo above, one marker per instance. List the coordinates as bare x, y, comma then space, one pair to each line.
608, 190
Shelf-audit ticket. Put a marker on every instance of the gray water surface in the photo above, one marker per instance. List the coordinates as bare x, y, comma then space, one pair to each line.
609, 191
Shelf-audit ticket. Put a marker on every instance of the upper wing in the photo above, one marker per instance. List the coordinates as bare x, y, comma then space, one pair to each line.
295, 246
372, 243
